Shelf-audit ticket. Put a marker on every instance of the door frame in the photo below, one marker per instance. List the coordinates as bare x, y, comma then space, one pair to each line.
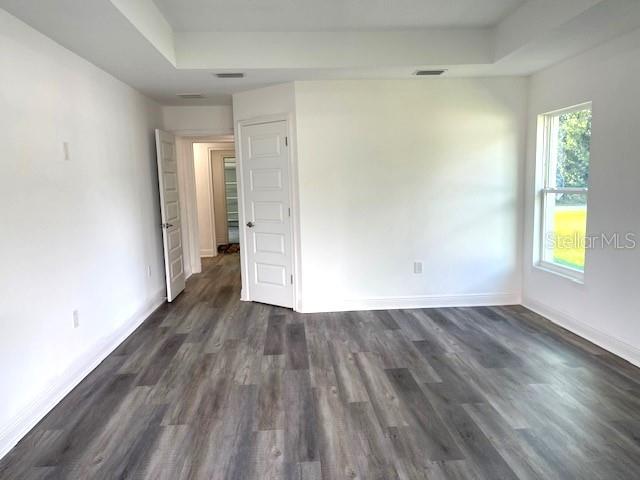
187, 178
216, 154
294, 199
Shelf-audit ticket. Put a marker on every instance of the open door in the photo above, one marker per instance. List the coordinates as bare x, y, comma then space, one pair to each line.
170, 211
267, 234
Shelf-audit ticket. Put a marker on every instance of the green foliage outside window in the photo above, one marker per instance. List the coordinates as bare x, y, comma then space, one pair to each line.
572, 171
574, 141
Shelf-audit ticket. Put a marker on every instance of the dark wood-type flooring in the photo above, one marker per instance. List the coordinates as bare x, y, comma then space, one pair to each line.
210, 387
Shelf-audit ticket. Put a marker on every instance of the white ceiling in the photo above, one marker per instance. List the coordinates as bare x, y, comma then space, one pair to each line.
144, 47
330, 15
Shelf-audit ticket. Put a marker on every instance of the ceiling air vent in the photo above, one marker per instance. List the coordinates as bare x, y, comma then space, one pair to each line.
188, 96
429, 73
230, 75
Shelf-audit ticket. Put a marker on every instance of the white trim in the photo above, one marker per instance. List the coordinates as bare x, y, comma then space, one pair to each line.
571, 109
557, 190
244, 290
294, 195
182, 148
208, 252
294, 202
614, 345
225, 135
418, 301
22, 423
188, 186
219, 238
212, 207
189, 202
561, 271
542, 190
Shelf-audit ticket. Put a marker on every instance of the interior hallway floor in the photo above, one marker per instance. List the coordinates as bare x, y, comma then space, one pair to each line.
211, 387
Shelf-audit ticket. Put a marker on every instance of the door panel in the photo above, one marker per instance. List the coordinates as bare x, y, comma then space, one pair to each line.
266, 180
174, 240
271, 275
170, 213
266, 207
269, 212
264, 146
269, 243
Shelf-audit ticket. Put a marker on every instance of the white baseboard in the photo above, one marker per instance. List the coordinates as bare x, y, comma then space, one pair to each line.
598, 337
207, 252
11, 433
424, 301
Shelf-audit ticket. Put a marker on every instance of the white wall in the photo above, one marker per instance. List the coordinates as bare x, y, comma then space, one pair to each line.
198, 120
77, 234
392, 172
333, 48
604, 309
278, 101
273, 100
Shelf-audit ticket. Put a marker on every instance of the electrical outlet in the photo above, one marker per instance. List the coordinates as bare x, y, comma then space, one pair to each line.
149, 271
417, 267
76, 319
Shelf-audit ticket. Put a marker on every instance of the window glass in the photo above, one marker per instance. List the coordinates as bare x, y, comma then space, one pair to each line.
566, 148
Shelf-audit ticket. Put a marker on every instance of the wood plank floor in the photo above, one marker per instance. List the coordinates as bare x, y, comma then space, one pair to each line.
210, 387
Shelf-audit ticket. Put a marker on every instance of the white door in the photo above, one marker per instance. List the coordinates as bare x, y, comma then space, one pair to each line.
170, 211
266, 212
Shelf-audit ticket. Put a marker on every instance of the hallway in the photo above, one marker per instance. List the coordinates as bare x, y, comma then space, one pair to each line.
210, 387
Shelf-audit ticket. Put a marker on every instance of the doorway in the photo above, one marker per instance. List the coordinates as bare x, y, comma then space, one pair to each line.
225, 199
267, 233
216, 198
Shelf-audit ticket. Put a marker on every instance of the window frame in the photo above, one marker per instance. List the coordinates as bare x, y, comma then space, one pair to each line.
543, 190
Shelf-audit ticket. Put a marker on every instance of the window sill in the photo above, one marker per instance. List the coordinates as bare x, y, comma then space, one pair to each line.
572, 275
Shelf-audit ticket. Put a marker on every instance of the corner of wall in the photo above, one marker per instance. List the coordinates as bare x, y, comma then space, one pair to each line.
602, 339
48, 398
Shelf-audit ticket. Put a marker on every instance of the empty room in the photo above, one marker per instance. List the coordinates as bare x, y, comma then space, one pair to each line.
339, 239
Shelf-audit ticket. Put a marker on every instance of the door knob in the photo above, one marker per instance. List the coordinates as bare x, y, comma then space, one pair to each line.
250, 224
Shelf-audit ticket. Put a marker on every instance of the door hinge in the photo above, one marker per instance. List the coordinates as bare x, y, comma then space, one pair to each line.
292, 279
286, 141
289, 211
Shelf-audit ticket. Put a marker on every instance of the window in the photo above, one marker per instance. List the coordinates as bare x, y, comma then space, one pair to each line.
564, 167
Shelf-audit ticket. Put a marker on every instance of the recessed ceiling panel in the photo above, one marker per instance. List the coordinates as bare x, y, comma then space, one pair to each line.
314, 15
